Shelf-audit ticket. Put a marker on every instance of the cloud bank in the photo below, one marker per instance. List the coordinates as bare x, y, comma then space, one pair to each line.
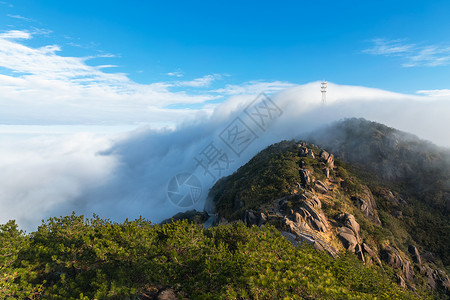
127, 176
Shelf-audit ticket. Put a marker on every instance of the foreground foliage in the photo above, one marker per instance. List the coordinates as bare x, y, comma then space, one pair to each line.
76, 258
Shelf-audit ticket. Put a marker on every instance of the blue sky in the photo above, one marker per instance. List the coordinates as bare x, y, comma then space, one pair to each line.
289, 41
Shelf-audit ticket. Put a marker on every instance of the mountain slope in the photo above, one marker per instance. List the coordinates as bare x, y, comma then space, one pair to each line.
385, 202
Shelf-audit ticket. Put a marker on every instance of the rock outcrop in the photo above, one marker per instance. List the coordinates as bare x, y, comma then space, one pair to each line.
415, 254
366, 203
252, 217
321, 187
349, 234
305, 176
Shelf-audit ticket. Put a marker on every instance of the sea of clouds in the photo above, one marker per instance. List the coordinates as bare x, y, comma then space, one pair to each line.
126, 174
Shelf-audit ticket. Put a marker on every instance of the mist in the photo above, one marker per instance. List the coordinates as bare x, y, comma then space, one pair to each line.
127, 175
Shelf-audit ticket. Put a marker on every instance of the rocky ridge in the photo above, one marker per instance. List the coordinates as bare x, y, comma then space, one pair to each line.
327, 208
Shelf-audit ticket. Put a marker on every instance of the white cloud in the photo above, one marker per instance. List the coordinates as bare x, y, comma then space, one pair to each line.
15, 34
45, 87
435, 93
412, 55
204, 81
176, 74
20, 17
386, 47
254, 87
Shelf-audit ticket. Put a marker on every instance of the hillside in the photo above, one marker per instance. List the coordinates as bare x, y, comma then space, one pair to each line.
383, 197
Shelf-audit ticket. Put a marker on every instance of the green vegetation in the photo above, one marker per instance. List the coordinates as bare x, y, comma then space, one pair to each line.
271, 174
76, 258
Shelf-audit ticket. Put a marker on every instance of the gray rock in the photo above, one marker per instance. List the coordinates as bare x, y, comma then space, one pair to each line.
372, 253
262, 219
415, 254
311, 212
167, 294
252, 217
368, 250
401, 281
305, 175
351, 223
323, 155
391, 256
326, 171
330, 161
359, 253
407, 270
321, 187
348, 238
303, 151
367, 205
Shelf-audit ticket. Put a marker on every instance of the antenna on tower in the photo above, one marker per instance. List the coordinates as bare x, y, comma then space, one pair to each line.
323, 89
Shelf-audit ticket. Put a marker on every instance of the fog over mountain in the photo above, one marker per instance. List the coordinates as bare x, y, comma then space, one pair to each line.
126, 175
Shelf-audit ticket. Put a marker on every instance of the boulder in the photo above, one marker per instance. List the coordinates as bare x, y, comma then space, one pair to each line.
167, 294
330, 161
323, 155
348, 238
301, 222
350, 222
252, 217
314, 202
401, 281
372, 253
321, 187
366, 203
311, 212
326, 171
407, 270
305, 176
392, 257
414, 254
304, 151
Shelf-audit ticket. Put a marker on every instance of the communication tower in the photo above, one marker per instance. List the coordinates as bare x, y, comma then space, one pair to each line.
323, 89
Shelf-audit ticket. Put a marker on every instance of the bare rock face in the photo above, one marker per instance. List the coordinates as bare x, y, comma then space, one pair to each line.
367, 205
305, 175
392, 256
321, 187
438, 279
415, 254
311, 212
